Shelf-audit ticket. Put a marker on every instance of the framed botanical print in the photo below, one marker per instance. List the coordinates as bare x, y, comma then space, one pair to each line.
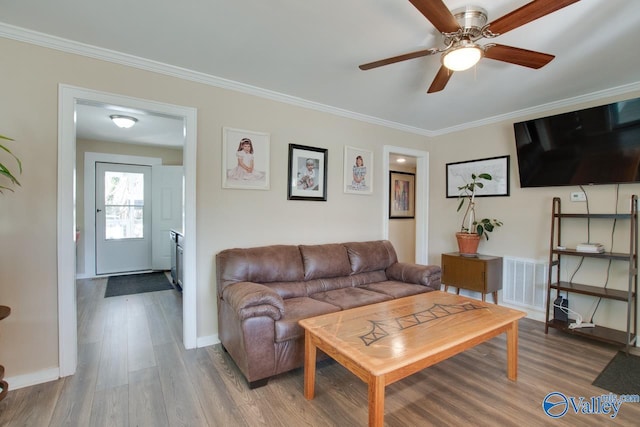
402, 195
459, 174
245, 159
307, 177
358, 171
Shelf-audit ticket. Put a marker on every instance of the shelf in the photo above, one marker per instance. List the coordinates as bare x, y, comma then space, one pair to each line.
593, 216
600, 333
596, 291
604, 255
628, 296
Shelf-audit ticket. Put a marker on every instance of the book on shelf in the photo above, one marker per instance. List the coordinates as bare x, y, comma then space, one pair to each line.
590, 247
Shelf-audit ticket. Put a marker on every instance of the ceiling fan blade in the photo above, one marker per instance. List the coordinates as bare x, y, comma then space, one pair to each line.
438, 14
518, 56
441, 80
527, 13
398, 58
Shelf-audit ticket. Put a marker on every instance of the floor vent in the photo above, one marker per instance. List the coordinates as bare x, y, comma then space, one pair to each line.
524, 283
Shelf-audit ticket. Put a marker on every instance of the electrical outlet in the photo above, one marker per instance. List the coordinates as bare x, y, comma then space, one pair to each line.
578, 196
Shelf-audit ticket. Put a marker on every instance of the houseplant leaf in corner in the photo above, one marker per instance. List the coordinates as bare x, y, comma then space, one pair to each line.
5, 171
471, 230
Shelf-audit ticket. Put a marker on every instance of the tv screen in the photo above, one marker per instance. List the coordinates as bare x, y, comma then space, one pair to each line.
599, 145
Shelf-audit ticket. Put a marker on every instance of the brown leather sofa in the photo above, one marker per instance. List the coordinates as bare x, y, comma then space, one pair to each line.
263, 292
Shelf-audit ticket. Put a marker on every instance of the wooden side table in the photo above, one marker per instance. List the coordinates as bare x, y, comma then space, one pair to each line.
4, 387
482, 273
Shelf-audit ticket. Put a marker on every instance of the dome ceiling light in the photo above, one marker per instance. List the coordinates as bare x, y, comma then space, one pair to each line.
124, 122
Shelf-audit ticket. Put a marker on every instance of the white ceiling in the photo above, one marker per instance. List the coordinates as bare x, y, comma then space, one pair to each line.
93, 122
308, 52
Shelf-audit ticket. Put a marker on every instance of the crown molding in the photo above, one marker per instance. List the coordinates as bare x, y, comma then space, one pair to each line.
574, 102
68, 46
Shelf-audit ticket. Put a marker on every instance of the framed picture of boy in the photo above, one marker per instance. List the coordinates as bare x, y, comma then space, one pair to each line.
358, 171
307, 177
245, 159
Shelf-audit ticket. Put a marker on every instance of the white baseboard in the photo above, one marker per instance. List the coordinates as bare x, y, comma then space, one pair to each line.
34, 378
207, 341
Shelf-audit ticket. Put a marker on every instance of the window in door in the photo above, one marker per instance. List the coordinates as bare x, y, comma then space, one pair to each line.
124, 205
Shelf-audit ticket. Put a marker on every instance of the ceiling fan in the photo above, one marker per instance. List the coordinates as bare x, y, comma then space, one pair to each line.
463, 27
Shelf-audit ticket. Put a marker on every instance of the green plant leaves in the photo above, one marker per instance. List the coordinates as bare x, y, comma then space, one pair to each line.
4, 170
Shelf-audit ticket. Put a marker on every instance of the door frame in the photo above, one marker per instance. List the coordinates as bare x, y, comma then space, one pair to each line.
422, 197
68, 97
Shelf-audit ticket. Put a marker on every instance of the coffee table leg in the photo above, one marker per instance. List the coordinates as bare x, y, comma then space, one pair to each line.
376, 401
309, 366
512, 351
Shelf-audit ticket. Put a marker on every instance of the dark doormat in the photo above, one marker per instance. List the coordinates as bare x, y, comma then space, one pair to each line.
621, 375
137, 284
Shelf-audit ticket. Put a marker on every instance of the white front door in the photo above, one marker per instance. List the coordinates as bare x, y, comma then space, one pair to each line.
123, 218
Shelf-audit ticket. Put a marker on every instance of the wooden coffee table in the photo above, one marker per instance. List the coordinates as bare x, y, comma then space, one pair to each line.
385, 342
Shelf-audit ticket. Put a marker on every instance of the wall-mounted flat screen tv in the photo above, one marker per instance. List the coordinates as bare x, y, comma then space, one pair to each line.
599, 145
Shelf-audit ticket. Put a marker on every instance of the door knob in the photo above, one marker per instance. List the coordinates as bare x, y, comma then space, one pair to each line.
98, 210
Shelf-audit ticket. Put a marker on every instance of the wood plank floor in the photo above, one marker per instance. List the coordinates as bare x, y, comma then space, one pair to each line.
133, 371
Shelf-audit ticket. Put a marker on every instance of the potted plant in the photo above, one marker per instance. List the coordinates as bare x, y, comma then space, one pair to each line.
5, 171
471, 229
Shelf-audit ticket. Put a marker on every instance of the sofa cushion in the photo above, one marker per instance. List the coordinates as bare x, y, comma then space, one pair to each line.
350, 297
295, 309
276, 263
323, 285
370, 256
360, 279
397, 289
325, 261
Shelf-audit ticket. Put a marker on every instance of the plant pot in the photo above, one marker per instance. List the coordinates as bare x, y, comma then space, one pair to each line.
468, 243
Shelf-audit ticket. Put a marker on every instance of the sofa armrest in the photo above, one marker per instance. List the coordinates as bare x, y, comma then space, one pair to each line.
427, 275
249, 299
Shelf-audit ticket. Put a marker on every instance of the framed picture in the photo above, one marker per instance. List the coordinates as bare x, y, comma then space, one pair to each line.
307, 173
358, 171
402, 195
245, 159
459, 174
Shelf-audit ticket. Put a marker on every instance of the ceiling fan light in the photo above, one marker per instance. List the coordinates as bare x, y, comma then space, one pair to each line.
463, 57
124, 122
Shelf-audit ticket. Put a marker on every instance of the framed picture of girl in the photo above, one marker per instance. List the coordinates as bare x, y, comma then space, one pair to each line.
307, 177
245, 159
358, 171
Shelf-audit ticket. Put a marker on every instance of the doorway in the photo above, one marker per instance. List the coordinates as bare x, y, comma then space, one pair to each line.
402, 231
421, 197
69, 97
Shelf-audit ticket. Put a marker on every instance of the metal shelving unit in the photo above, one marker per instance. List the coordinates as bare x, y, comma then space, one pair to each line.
625, 338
